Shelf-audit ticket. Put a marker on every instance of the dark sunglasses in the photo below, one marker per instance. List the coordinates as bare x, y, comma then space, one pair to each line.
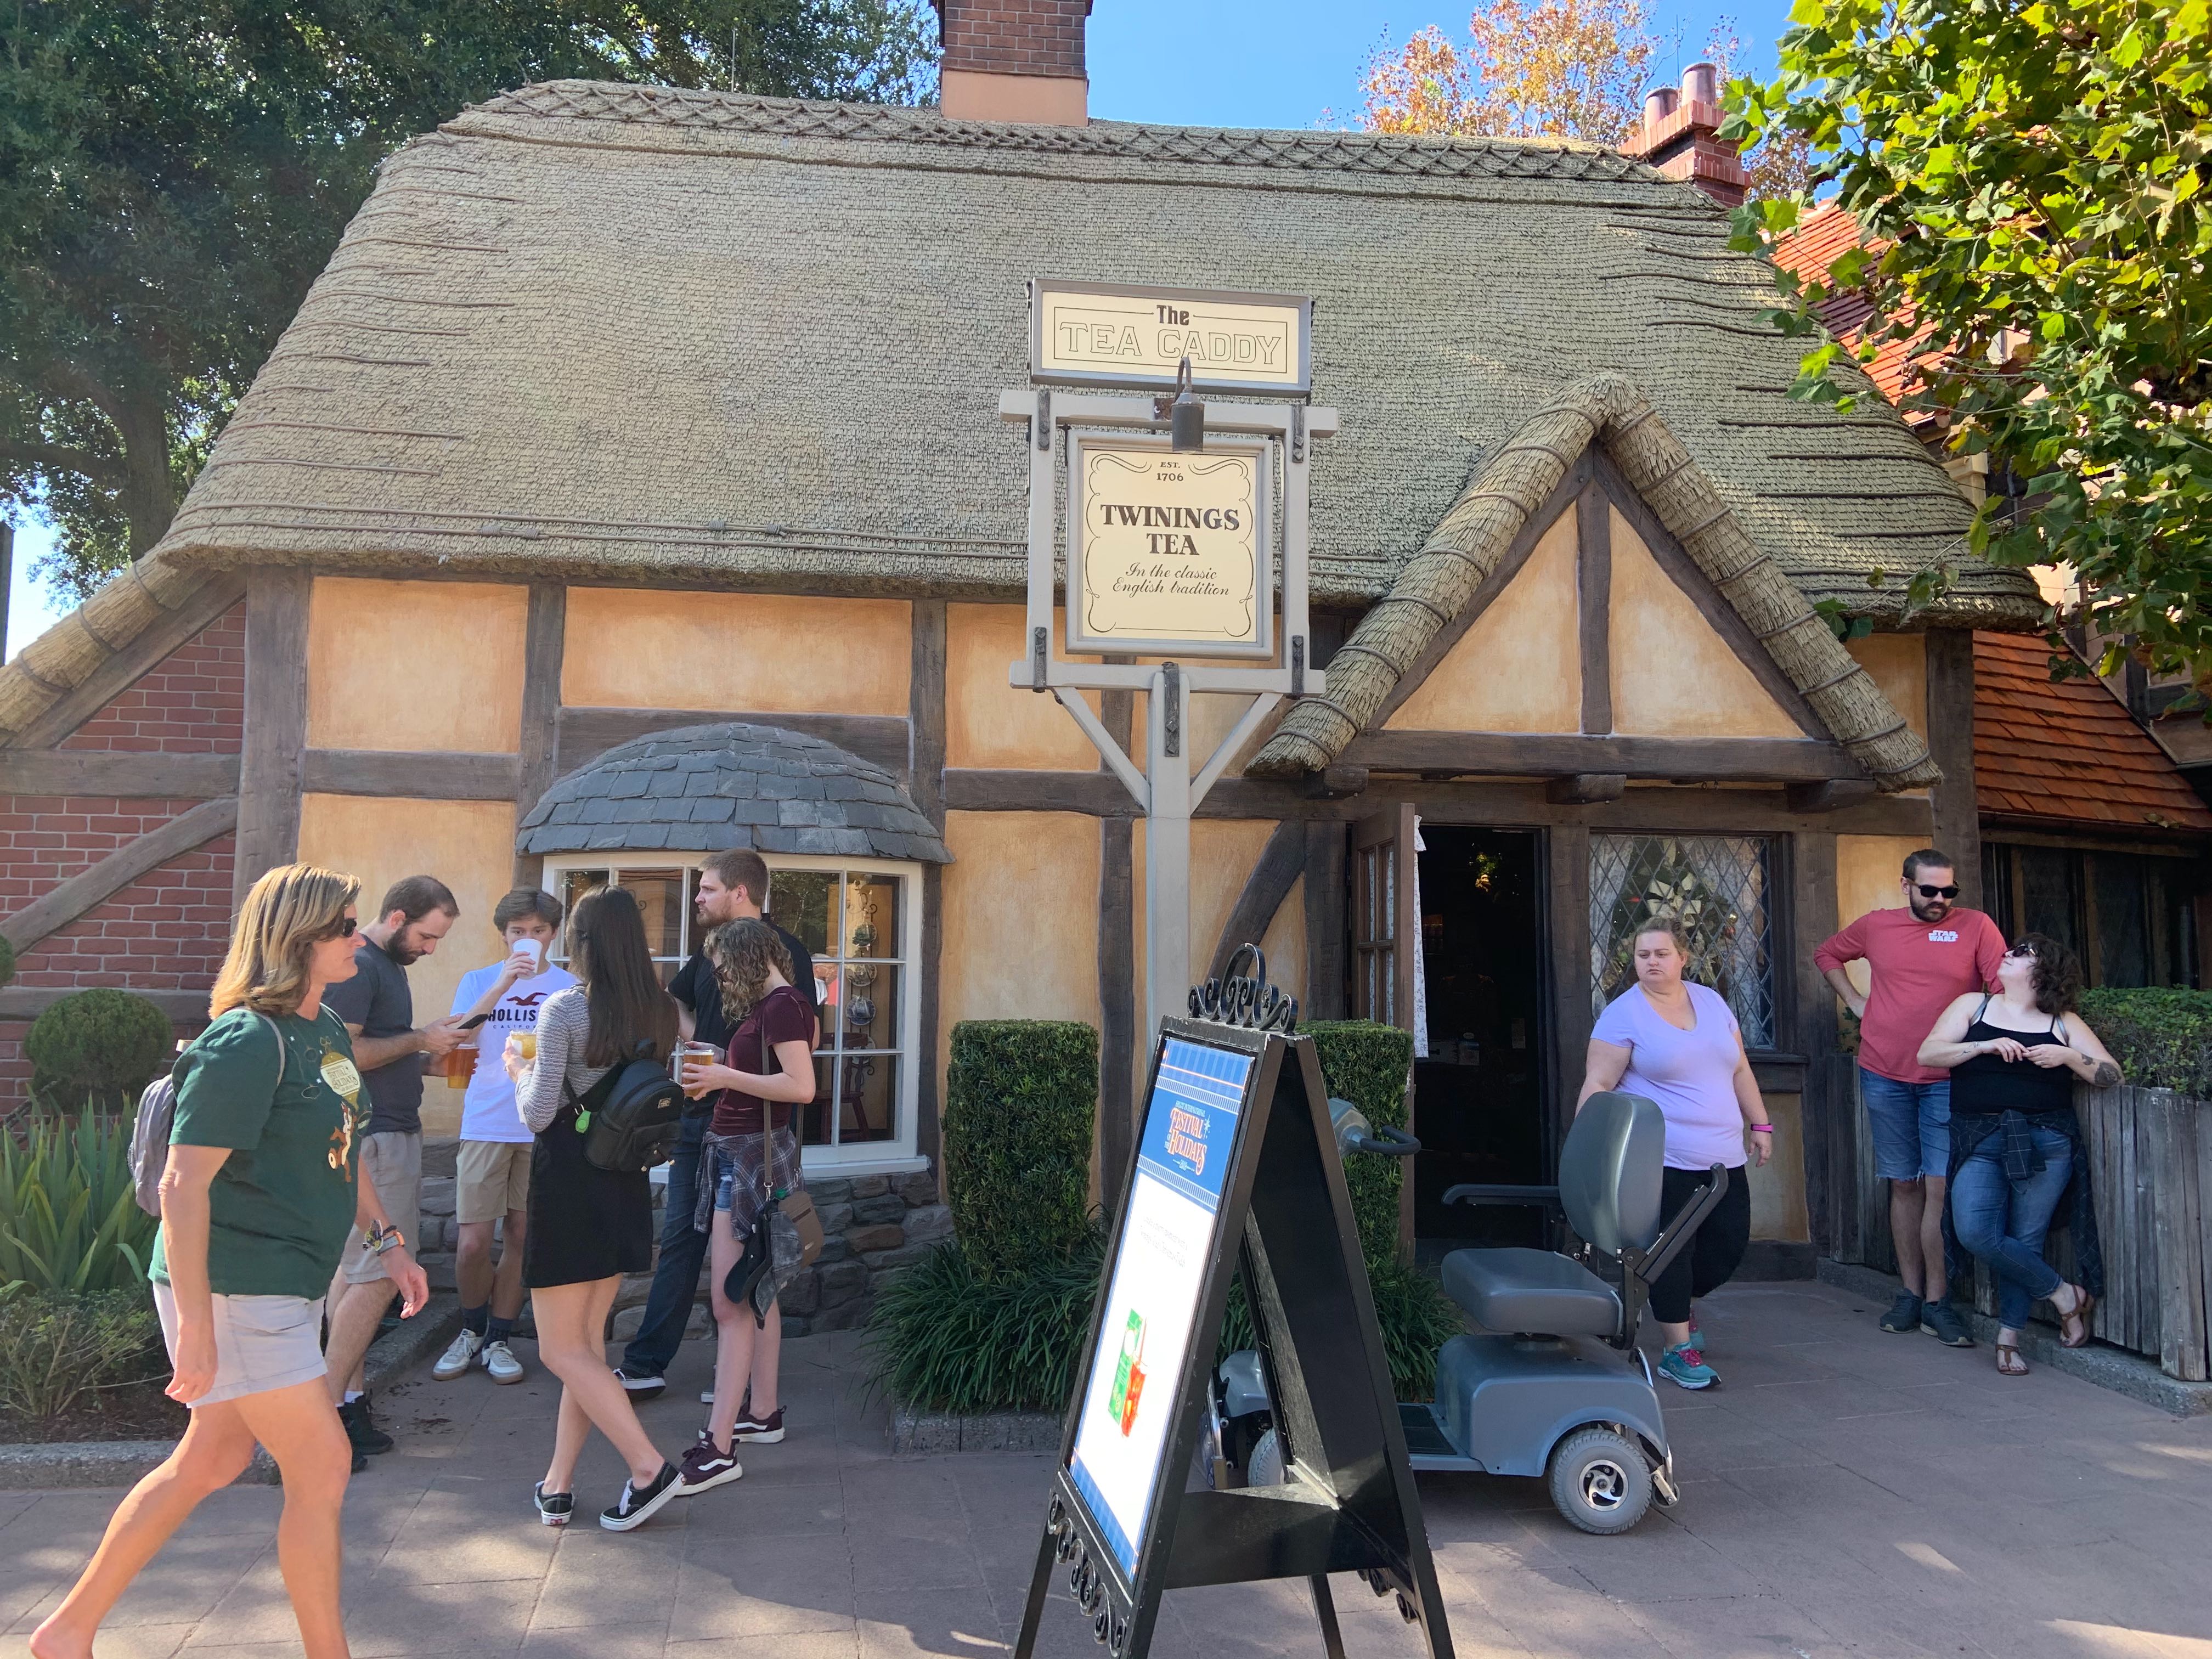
345, 928
1926, 892
2027, 950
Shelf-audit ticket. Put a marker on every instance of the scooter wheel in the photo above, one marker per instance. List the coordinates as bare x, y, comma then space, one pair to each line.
1265, 1467
1600, 1481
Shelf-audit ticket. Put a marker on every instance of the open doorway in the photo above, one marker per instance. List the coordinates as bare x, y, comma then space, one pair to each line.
1479, 1096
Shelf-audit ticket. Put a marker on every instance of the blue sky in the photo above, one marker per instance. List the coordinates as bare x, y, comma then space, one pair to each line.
1205, 63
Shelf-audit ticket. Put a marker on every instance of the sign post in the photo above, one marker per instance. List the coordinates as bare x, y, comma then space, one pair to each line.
1176, 556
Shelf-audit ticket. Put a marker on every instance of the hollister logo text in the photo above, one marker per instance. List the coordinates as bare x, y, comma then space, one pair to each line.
1943, 936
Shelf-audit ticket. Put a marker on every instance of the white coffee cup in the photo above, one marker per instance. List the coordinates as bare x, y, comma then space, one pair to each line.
535, 950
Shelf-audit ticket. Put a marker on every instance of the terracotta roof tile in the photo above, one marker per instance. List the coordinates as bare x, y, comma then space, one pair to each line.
2067, 751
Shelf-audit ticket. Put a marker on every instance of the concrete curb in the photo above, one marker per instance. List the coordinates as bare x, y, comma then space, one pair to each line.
71, 1463
2126, 1373
918, 1433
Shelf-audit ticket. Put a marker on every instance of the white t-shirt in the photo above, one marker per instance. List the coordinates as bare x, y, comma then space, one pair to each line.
1691, 1074
488, 1110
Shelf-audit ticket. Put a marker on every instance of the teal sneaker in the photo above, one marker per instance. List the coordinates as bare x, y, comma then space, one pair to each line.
1685, 1367
1697, 1338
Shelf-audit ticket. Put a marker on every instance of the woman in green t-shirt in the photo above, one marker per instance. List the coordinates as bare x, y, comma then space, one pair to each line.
257, 1200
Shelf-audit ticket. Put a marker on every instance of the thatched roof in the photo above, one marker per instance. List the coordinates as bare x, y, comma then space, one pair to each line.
624, 333
1466, 545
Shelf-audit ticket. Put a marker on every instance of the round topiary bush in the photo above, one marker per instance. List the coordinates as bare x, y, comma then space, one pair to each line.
97, 1050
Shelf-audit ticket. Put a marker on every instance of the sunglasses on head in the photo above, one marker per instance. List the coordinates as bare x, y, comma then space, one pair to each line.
1926, 892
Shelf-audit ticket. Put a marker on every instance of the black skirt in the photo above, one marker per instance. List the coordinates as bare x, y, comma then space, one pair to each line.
586, 1222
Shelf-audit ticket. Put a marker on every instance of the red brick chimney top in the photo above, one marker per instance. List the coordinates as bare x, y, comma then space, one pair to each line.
1680, 136
1013, 60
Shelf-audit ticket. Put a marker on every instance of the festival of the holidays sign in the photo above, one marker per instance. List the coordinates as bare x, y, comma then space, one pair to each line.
1171, 553
1092, 334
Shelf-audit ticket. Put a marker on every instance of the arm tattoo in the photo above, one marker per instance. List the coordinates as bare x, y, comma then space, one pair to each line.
2106, 1076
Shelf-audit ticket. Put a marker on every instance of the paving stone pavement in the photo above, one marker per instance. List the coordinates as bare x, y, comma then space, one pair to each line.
1846, 1491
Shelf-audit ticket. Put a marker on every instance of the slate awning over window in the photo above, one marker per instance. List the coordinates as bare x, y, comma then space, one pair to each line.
708, 788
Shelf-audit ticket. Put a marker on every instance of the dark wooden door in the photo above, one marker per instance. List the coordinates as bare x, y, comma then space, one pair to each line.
1383, 919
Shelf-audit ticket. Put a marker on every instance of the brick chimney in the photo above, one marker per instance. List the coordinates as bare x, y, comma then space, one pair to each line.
1013, 60
1680, 136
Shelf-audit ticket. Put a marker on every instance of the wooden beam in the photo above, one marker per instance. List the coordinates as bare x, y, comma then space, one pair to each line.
1335, 782
925, 703
270, 770
133, 662
29, 1001
545, 647
121, 773
63, 903
1274, 872
1567, 971
1505, 754
1828, 794
1577, 479
414, 774
587, 733
1586, 789
1688, 575
1593, 604
1951, 744
1326, 897
1119, 1032
1831, 1160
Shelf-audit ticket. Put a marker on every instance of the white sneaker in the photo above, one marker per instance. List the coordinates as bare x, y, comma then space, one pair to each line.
499, 1359
458, 1359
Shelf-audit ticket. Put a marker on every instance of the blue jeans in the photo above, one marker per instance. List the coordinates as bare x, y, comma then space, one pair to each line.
676, 1275
1911, 1123
2004, 1222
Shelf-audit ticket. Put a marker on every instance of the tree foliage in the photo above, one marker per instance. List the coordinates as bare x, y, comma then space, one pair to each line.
1545, 69
2029, 181
173, 177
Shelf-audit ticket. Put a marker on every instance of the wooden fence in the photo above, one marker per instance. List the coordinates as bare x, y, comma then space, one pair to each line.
2150, 1157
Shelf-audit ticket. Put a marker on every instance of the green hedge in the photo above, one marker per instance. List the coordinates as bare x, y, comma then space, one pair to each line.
99, 1049
56, 1349
1366, 1064
1018, 1108
2162, 1038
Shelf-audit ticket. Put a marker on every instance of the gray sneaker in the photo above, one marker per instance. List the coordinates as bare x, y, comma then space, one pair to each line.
1941, 1320
1904, 1313
499, 1359
457, 1359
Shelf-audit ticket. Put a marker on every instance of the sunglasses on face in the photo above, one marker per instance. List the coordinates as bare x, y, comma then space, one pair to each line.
1926, 892
2026, 952
344, 928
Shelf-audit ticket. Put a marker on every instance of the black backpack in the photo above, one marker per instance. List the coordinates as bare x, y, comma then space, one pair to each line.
631, 1118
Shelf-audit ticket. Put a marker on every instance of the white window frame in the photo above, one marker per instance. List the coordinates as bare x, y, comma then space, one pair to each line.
896, 1156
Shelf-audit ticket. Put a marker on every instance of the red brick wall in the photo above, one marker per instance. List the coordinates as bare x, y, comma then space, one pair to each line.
193, 703
1013, 37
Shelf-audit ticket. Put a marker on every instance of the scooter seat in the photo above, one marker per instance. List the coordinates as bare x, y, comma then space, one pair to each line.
1537, 1291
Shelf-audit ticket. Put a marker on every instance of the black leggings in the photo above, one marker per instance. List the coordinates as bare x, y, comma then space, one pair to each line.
1709, 1260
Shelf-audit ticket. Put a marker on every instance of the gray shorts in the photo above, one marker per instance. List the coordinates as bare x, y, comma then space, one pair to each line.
393, 1163
261, 1342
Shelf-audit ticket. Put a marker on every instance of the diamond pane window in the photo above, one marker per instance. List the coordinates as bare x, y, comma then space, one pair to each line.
1718, 887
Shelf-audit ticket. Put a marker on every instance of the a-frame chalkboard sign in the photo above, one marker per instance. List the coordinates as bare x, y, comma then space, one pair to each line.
1234, 1171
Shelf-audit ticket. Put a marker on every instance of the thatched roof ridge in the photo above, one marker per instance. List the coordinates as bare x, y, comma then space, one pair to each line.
64, 657
1437, 583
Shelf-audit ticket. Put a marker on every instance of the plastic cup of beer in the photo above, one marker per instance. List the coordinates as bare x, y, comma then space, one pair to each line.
687, 1055
524, 1043
459, 1065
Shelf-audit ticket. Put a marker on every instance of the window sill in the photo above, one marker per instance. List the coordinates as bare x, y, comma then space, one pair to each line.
836, 1168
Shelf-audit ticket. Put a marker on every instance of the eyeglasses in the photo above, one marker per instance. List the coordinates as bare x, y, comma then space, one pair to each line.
2024, 951
1926, 892
345, 928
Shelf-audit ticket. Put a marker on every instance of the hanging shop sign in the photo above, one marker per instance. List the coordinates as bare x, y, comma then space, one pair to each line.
1171, 553
1095, 334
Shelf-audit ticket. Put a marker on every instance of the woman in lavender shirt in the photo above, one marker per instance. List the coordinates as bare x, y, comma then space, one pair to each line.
1678, 1044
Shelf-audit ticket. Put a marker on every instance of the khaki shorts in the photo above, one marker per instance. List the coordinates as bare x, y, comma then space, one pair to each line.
261, 1342
393, 1163
493, 1179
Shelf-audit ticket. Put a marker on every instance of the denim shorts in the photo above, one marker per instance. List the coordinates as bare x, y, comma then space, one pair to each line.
1911, 1126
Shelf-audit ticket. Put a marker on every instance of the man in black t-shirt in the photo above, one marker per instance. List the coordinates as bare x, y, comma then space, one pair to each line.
731, 884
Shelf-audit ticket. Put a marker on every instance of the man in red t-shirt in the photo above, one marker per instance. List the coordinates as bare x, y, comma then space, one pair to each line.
1921, 956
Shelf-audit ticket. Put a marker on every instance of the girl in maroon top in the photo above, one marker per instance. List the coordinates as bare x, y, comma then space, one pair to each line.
767, 1075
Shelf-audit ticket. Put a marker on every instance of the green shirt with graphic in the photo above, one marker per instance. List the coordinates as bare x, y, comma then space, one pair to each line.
280, 1206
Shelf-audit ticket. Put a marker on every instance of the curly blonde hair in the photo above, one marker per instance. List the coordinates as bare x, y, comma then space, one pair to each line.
286, 914
743, 952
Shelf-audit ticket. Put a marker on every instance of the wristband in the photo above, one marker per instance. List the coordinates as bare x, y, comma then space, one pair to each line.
1760, 1128
380, 1239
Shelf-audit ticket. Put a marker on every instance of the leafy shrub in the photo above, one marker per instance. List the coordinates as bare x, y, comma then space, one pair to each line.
1019, 1102
1366, 1064
68, 1222
54, 1350
2162, 1038
945, 1339
97, 1047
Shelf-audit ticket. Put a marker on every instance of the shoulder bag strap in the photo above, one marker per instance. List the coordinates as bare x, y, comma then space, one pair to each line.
283, 1048
1979, 1012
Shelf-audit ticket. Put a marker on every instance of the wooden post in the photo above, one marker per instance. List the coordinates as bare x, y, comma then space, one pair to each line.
1118, 1036
1325, 895
1594, 597
545, 641
276, 601
1567, 923
926, 729
1830, 1169
1951, 742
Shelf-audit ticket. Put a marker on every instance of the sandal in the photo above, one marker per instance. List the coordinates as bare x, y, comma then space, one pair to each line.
2009, 1363
2074, 1327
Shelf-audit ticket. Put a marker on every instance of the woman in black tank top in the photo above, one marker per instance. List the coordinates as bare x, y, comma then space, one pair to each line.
2016, 1150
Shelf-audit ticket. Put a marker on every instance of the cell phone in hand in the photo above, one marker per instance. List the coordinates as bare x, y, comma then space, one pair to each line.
471, 1024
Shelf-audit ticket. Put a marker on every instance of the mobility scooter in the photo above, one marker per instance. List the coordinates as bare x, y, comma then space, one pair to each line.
1555, 1385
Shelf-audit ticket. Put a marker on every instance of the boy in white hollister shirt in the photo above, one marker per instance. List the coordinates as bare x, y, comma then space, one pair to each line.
494, 1168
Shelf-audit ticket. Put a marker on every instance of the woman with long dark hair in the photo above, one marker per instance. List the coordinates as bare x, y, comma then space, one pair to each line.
589, 1226
751, 1161
2016, 1151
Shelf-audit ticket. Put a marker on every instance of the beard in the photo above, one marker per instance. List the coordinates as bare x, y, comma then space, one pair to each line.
1931, 909
403, 948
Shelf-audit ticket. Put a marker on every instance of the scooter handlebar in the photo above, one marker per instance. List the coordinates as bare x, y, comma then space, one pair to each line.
1383, 1140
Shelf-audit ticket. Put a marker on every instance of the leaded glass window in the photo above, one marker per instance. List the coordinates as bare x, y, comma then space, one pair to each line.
1719, 887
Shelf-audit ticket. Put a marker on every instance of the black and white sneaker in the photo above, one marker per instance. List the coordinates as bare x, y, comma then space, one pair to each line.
761, 1431
634, 1508
706, 1466
641, 1388
554, 1508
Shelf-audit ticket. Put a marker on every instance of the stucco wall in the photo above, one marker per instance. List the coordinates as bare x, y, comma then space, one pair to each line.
990, 723
1674, 676
1866, 869
415, 665
745, 652
1519, 667
467, 844
1897, 664
1020, 936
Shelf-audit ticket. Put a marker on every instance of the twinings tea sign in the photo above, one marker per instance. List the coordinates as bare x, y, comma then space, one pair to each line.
1171, 553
